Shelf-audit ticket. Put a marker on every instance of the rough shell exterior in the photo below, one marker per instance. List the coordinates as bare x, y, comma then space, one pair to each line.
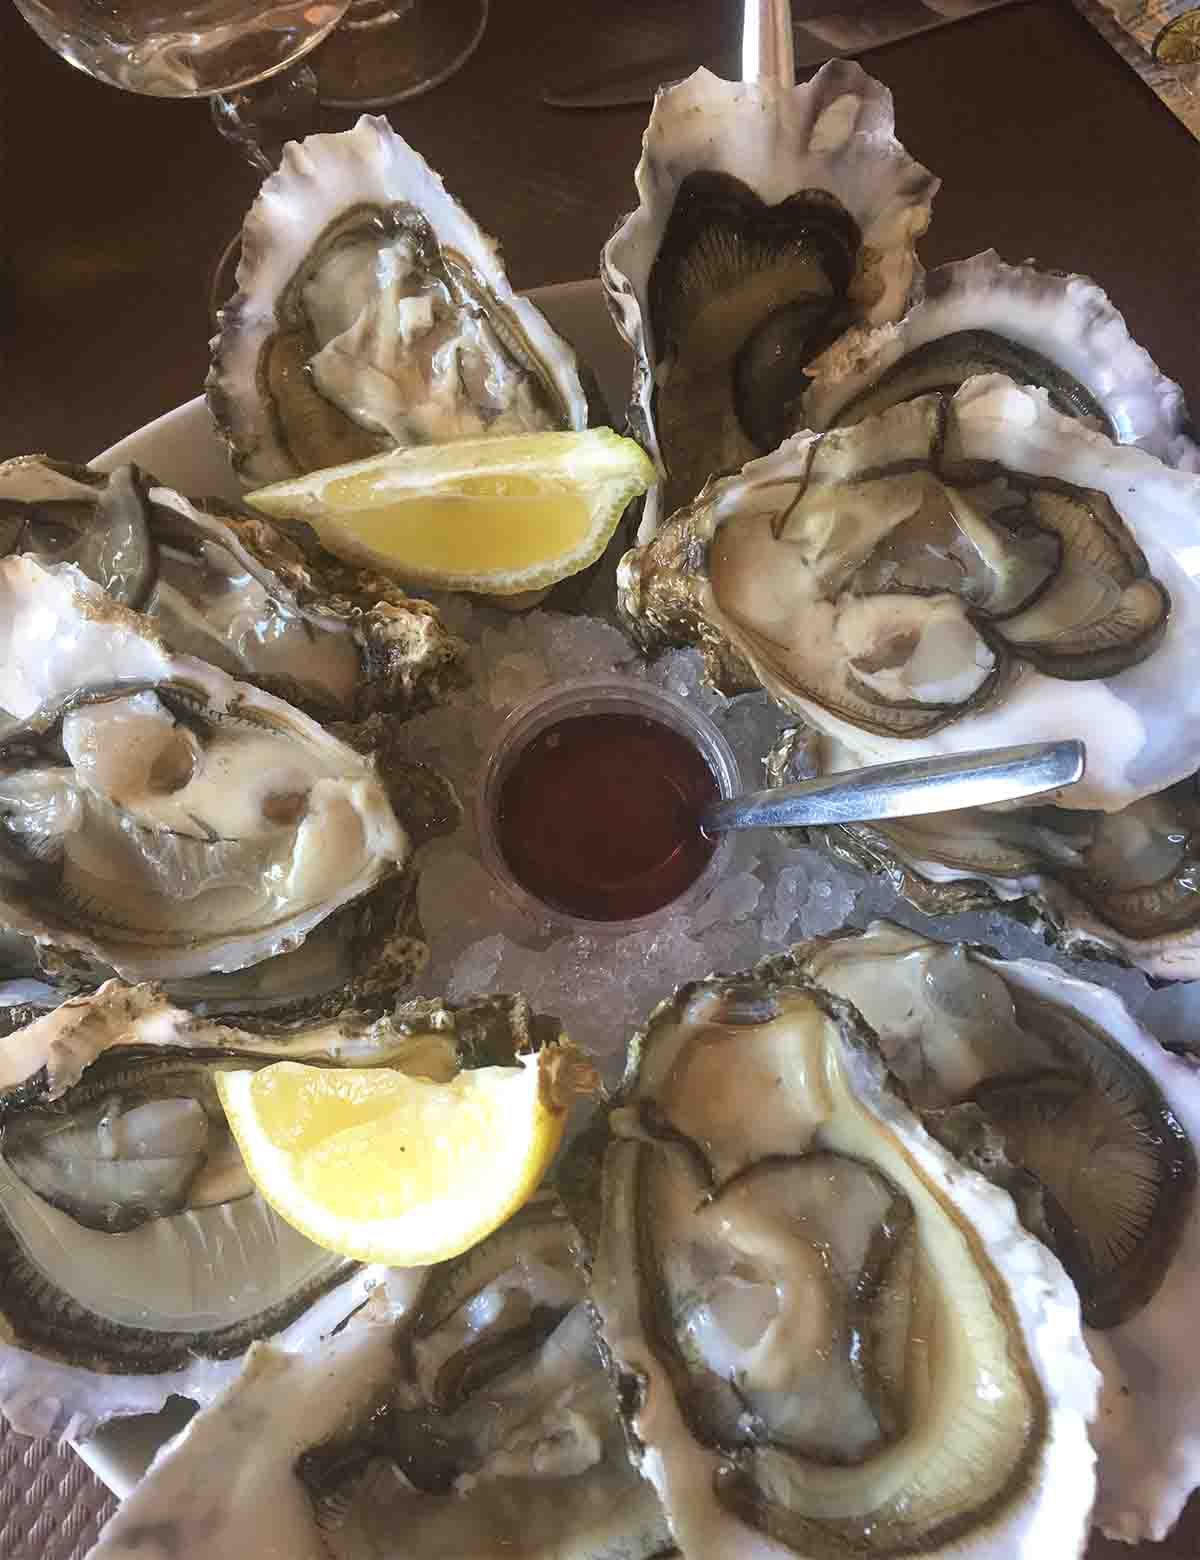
98, 650
1052, 1513
1147, 1431
65, 1370
407, 659
1066, 318
1140, 725
835, 133
319, 179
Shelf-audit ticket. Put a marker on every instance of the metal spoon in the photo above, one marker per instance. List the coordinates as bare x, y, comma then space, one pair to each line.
907, 789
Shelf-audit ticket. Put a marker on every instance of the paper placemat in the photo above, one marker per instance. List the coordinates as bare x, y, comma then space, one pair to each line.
52, 1506
1160, 39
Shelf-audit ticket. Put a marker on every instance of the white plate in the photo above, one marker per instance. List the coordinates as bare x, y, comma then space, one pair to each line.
182, 450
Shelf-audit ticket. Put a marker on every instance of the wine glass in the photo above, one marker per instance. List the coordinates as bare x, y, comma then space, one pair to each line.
182, 48
249, 59
389, 50
385, 50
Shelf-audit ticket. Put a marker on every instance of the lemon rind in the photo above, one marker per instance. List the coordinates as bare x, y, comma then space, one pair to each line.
428, 1233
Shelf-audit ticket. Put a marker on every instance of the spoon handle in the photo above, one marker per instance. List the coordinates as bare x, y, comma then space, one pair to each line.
906, 789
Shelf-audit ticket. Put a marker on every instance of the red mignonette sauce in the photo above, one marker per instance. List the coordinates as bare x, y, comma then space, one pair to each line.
599, 815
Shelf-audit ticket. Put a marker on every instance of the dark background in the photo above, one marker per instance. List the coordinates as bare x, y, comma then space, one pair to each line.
114, 207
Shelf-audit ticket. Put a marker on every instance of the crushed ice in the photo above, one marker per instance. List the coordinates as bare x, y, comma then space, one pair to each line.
772, 894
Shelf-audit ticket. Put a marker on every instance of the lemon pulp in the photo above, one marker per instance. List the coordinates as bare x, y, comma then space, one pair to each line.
501, 515
385, 1167
477, 533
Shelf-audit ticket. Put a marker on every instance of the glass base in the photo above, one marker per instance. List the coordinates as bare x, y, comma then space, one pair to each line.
214, 46
383, 53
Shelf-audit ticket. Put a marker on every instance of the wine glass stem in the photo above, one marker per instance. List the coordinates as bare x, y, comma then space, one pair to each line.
260, 119
385, 51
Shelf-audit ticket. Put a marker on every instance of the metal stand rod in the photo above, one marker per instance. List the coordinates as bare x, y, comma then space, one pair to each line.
767, 50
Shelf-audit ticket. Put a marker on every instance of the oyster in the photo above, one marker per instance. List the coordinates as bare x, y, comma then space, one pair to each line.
138, 1259
770, 220
930, 579
481, 1425
1048, 1085
360, 955
372, 313
1122, 883
981, 316
805, 1299
158, 815
230, 588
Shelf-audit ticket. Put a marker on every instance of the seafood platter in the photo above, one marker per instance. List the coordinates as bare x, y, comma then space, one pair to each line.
883, 1239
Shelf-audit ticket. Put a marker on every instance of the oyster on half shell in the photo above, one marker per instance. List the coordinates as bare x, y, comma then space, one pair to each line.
231, 588
808, 1302
156, 815
372, 313
1123, 883
1048, 1086
932, 579
479, 1426
360, 955
138, 1259
770, 220
1044, 328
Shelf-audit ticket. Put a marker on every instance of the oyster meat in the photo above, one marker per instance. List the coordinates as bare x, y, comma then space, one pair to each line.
481, 1425
808, 1302
981, 316
229, 587
1123, 882
770, 220
138, 1258
1048, 1085
930, 579
360, 955
372, 314
157, 815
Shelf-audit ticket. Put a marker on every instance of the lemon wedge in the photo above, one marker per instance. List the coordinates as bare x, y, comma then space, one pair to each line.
387, 1167
500, 516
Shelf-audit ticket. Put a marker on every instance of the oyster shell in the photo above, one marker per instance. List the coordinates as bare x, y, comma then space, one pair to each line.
930, 579
372, 313
360, 955
804, 1297
1048, 1085
481, 1425
138, 1260
228, 587
770, 219
981, 316
1120, 883
159, 816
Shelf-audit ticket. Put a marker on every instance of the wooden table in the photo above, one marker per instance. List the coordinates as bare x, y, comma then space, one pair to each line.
115, 207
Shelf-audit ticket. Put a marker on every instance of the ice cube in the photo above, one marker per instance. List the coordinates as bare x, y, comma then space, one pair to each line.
751, 725
581, 647
514, 678
681, 672
732, 899
474, 972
